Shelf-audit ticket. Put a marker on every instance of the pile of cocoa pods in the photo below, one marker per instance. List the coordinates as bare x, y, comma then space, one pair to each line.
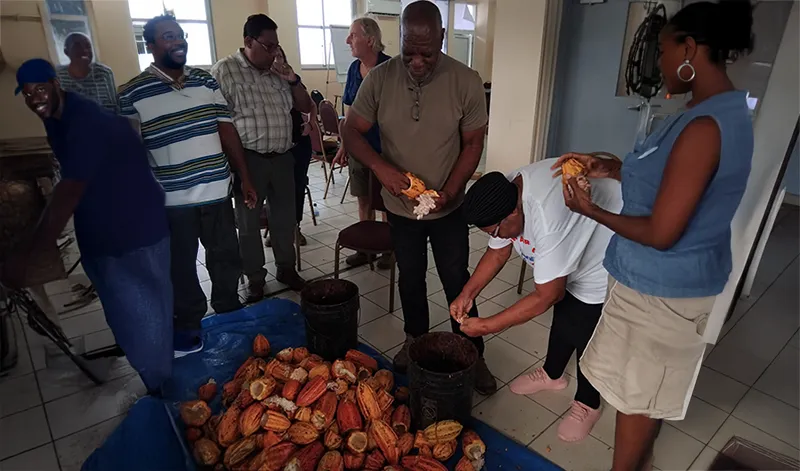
297, 412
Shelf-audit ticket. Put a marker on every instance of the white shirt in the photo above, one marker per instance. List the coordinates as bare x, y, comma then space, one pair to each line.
559, 241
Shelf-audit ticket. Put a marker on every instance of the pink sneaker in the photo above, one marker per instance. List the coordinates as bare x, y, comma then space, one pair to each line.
577, 425
536, 381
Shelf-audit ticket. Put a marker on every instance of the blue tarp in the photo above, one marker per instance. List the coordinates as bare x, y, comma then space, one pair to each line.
151, 438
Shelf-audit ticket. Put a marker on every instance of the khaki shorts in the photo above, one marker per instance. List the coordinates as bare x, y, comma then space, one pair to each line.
646, 351
359, 178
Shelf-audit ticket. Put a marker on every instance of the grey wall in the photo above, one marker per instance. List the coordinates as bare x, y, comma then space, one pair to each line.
792, 177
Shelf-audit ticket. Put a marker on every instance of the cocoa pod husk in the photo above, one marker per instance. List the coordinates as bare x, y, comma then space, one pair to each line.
375, 461
208, 391
291, 389
325, 411
195, 413
240, 451
312, 391
261, 346
474, 448
250, 419
206, 452
405, 443
300, 354
286, 355
331, 461
306, 458
402, 395
228, 428
401, 420
353, 461
445, 451
193, 434
273, 458
332, 440
362, 359
262, 388
422, 463
368, 402
385, 379
357, 441
302, 433
348, 417
274, 421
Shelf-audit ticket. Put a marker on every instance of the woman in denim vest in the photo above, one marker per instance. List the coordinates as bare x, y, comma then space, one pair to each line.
671, 254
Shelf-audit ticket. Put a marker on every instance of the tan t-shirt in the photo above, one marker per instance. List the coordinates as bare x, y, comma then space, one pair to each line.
451, 101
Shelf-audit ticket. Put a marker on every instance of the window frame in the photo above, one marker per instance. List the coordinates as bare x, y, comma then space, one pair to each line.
209, 22
328, 48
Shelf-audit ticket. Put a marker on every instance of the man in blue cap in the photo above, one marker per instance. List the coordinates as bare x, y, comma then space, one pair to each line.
119, 217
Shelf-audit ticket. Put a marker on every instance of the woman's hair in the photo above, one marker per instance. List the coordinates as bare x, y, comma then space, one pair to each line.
371, 30
725, 27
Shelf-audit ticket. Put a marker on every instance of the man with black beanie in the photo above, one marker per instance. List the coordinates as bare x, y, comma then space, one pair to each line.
526, 211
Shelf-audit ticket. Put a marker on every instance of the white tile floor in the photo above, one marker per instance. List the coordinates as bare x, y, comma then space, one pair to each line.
52, 418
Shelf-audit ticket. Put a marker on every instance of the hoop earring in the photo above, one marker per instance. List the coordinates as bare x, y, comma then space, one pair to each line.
691, 67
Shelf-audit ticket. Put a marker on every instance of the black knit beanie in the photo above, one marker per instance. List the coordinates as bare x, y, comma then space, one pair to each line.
490, 200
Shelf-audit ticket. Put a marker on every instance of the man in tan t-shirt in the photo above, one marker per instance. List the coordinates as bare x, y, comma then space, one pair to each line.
431, 111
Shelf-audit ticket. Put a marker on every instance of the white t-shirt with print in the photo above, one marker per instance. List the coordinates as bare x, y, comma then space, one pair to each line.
559, 241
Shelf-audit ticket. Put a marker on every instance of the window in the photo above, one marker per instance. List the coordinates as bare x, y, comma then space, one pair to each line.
193, 17
314, 21
464, 19
444, 9
66, 17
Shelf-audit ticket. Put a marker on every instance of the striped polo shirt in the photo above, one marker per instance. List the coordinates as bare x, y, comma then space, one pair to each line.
98, 85
179, 126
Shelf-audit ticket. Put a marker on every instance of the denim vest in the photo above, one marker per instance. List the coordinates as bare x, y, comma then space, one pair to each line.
699, 264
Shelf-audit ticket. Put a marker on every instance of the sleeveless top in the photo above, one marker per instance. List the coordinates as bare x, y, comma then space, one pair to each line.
699, 264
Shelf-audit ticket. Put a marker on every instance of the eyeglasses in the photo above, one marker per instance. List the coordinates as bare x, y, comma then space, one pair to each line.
415, 108
170, 36
272, 48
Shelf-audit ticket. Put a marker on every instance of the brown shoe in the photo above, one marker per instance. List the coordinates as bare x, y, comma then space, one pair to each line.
292, 279
255, 292
385, 262
357, 259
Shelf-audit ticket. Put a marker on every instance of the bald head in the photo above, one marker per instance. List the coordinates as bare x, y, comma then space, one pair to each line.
422, 38
78, 47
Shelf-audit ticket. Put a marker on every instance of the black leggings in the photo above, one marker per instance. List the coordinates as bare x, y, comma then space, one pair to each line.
573, 325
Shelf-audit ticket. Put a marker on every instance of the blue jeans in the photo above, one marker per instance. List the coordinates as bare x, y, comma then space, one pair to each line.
136, 293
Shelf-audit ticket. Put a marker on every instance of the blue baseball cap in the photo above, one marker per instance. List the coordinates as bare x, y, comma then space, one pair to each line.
34, 71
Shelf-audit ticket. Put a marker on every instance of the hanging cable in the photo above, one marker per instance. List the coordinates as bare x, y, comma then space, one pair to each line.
642, 76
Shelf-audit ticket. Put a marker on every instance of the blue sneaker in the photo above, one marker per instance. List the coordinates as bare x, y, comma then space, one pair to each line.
187, 342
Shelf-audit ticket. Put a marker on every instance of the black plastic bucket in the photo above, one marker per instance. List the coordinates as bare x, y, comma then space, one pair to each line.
441, 376
330, 309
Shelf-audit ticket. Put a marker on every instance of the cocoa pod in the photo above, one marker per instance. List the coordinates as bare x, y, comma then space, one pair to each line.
241, 371
385, 379
250, 419
402, 395
195, 413
275, 422
364, 375
278, 403
250, 370
207, 391
332, 440
240, 451
244, 399
345, 370
420, 440
193, 434
302, 433
311, 361
443, 431
306, 459
464, 464
350, 395
384, 399
401, 420
300, 354
312, 391
286, 355
300, 375
445, 451
273, 458
291, 389
348, 417
271, 439
322, 371
339, 386
425, 450
371, 443
474, 448
405, 443
387, 415
357, 441
367, 402
331, 461
422, 463
325, 411
279, 370
231, 390
303, 414
374, 461
228, 428
261, 346
386, 440
205, 452
210, 427
353, 461
362, 359
263, 387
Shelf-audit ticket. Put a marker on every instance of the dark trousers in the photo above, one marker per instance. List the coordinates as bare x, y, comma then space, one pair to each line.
302, 159
573, 325
449, 238
213, 225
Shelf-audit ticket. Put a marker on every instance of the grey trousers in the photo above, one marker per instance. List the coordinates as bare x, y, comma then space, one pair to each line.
273, 179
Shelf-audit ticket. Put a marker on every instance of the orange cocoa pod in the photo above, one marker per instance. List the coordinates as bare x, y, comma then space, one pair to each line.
303, 414
228, 428
275, 422
386, 379
312, 391
362, 359
464, 464
405, 443
357, 441
320, 371
331, 461
353, 461
230, 390
290, 389
387, 415
262, 388
445, 451
300, 354
250, 370
271, 439
302, 433
325, 410
193, 434
205, 452
250, 419
332, 440
420, 440
415, 186
273, 458
386, 440
261, 346
244, 399
195, 413
374, 461
207, 391
422, 463
279, 370
344, 369
401, 420
239, 451
350, 395
286, 355
474, 448
348, 417
311, 361
306, 458
402, 395
443, 431
385, 400
368, 402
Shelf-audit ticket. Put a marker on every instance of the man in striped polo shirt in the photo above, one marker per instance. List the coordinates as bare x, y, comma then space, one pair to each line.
186, 126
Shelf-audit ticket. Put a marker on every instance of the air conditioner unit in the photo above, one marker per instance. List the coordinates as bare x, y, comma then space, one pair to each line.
384, 7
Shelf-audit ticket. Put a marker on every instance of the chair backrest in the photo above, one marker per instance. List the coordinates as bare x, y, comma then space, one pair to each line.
317, 147
329, 117
317, 96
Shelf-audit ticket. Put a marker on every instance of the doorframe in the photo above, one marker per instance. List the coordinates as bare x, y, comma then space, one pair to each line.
547, 76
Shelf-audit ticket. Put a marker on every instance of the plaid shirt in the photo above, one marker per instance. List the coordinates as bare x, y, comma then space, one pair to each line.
260, 103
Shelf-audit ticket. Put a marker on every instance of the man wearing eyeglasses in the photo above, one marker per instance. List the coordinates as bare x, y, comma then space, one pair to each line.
186, 126
431, 111
261, 90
